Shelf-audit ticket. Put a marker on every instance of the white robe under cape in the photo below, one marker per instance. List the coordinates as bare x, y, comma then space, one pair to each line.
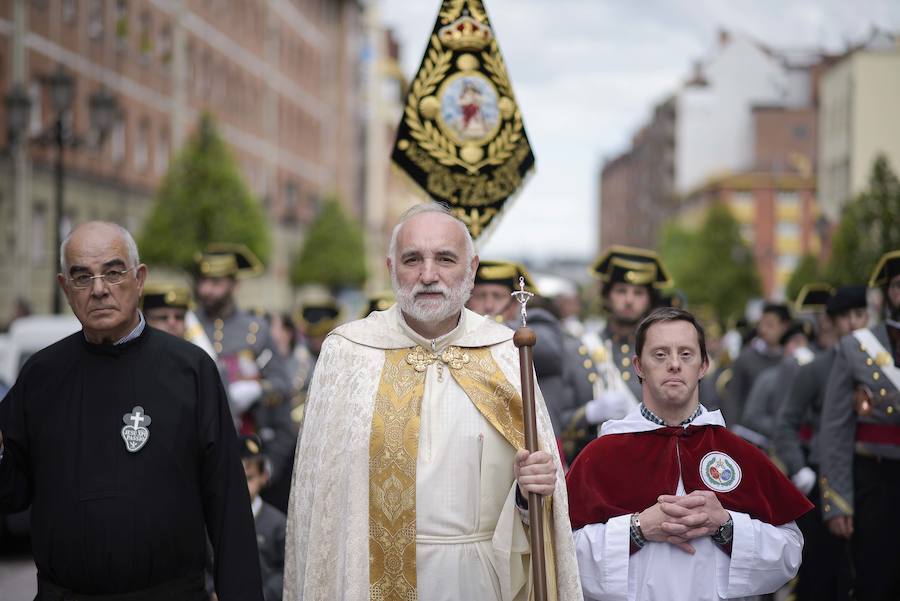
470, 535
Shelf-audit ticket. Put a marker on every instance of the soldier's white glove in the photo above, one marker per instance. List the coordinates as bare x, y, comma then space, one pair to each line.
804, 479
242, 394
610, 405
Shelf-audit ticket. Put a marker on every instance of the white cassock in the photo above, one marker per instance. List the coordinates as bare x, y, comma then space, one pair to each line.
470, 540
763, 557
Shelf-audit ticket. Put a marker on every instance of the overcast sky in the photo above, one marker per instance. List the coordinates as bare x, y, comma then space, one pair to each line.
587, 73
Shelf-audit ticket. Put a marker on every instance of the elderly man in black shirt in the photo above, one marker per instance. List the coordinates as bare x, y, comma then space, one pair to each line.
120, 439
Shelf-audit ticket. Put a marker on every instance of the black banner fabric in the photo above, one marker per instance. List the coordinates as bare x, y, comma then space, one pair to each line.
461, 137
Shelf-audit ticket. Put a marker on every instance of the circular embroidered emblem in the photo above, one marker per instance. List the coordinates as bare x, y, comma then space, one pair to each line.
720, 472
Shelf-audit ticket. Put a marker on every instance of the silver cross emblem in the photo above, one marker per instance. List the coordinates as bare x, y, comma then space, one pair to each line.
135, 432
522, 296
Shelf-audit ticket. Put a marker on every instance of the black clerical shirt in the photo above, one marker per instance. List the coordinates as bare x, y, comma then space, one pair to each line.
106, 520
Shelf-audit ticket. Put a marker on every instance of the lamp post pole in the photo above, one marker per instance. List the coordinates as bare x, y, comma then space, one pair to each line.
60, 178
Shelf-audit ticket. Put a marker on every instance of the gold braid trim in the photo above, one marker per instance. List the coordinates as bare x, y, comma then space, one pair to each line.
393, 449
829, 495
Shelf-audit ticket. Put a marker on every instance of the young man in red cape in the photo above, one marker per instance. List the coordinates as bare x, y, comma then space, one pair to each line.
670, 505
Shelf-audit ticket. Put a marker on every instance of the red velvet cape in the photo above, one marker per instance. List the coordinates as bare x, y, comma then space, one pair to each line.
619, 474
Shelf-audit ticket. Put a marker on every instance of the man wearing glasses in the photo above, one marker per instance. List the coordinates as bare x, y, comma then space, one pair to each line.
120, 439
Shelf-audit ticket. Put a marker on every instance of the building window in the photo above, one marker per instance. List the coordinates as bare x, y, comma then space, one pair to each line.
786, 229
165, 44
742, 206
289, 210
787, 263
121, 25
190, 64
161, 160
95, 19
39, 234
787, 205
309, 208
69, 11
146, 40
117, 140
35, 116
787, 198
142, 146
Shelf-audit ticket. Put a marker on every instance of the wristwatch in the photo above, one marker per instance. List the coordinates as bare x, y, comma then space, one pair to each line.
725, 533
637, 535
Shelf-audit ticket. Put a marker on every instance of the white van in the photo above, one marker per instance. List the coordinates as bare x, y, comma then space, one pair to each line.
28, 335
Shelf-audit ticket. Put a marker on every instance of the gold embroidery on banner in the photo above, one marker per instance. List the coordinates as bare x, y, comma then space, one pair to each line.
394, 446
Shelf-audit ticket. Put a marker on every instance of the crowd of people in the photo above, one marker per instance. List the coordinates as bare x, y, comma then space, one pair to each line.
181, 447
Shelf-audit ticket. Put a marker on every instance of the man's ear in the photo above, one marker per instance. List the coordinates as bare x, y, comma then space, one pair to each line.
63, 283
636, 363
141, 274
703, 369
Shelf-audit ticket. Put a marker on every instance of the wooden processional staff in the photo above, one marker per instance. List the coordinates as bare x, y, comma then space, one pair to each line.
524, 339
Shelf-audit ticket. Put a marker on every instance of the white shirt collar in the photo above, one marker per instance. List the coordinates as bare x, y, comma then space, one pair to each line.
256, 505
137, 331
636, 422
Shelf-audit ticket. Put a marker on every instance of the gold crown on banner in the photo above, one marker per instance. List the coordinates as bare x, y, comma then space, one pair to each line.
465, 33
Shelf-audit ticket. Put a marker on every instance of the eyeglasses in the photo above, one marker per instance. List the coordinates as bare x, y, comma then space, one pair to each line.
111, 277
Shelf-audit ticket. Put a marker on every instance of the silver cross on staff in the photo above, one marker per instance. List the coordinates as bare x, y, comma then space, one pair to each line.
522, 296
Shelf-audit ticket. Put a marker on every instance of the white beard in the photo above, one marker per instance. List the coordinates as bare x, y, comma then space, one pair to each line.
430, 311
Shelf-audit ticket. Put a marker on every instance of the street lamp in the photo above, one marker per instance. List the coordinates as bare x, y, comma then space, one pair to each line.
103, 110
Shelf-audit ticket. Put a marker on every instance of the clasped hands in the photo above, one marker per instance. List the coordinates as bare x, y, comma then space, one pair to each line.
680, 519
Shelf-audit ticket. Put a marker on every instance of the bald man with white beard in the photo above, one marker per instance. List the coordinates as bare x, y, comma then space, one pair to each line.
410, 478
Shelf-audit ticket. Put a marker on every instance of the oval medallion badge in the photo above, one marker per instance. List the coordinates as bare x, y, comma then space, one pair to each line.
719, 472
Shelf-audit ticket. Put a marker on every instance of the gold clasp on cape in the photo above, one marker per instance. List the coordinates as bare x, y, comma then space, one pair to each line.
453, 356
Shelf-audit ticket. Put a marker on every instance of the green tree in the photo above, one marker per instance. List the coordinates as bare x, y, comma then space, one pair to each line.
202, 199
713, 266
333, 253
806, 272
869, 227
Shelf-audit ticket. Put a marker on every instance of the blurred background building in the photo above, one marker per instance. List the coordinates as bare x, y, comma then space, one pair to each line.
282, 78
783, 137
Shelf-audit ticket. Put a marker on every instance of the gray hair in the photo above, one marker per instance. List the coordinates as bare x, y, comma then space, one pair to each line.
130, 245
430, 207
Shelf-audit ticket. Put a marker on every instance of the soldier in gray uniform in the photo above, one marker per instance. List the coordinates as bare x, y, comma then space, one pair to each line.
860, 444
825, 571
492, 296
631, 280
769, 389
760, 354
255, 374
